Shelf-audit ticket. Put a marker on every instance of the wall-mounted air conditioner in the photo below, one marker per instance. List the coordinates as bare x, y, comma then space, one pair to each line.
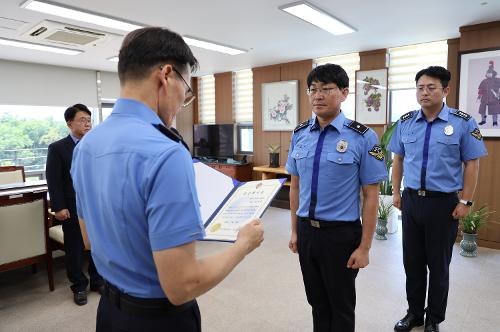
65, 34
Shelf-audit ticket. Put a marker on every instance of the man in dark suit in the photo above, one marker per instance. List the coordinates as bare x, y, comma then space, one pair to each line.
63, 203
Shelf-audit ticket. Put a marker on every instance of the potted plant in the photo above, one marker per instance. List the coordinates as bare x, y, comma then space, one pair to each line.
274, 155
384, 211
386, 186
470, 225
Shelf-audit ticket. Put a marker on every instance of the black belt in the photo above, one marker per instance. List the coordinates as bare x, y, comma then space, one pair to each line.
323, 224
141, 306
428, 193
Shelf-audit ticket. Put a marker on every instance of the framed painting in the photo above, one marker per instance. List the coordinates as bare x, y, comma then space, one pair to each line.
280, 106
371, 96
479, 88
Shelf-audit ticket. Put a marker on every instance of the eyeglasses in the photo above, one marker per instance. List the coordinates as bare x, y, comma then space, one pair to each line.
83, 120
429, 88
189, 95
325, 91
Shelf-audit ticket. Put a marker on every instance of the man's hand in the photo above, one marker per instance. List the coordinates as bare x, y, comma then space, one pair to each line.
293, 243
396, 200
251, 235
359, 259
460, 211
62, 215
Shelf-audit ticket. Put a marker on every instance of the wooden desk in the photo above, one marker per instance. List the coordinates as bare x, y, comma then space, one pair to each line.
240, 172
272, 173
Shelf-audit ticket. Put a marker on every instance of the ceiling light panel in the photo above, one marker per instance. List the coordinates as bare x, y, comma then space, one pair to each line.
212, 46
38, 47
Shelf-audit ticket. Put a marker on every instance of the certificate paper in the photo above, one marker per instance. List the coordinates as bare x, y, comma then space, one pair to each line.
247, 201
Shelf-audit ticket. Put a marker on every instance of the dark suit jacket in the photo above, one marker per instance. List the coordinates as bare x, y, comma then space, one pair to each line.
62, 193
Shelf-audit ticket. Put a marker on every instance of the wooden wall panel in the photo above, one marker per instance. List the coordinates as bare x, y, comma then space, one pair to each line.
194, 86
262, 138
453, 48
295, 71
375, 59
224, 98
476, 37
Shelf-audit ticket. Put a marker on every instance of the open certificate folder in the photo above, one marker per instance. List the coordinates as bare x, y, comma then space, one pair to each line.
226, 204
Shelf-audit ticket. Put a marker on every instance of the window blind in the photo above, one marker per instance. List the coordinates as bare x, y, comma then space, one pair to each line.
350, 63
243, 96
206, 99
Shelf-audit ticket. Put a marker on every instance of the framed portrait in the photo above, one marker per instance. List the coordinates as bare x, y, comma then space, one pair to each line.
280, 106
479, 88
371, 96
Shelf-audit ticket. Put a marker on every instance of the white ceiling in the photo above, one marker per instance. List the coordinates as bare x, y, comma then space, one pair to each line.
271, 35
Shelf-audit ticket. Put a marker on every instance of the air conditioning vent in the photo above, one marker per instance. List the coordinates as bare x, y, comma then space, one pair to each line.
64, 34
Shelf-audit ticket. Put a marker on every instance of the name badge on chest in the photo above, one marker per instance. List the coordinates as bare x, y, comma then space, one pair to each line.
448, 130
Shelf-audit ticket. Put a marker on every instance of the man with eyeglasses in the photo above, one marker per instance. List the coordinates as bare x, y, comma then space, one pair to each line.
63, 203
331, 159
437, 149
137, 198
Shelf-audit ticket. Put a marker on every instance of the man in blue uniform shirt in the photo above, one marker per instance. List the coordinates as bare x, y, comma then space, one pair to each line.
331, 158
438, 148
137, 199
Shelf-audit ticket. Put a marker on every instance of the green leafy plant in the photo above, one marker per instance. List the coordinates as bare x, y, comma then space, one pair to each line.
473, 221
386, 186
273, 148
384, 209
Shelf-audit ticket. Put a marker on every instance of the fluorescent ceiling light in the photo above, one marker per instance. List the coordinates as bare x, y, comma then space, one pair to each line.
317, 17
38, 47
113, 59
212, 46
78, 15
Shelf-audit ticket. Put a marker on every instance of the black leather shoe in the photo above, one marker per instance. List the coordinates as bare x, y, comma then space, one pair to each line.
482, 123
430, 326
80, 298
408, 322
495, 124
97, 288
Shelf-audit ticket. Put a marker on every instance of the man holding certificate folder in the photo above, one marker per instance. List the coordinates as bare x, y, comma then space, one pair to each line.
137, 199
331, 158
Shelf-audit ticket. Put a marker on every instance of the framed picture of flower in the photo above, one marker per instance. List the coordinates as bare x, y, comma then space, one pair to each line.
479, 88
371, 96
280, 106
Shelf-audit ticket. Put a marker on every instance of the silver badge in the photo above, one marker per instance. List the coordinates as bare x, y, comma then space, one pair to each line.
448, 130
342, 146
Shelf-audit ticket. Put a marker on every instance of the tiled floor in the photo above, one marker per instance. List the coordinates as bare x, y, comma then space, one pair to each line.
265, 293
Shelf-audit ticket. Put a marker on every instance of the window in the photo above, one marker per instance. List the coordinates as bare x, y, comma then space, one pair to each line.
404, 63
206, 99
245, 138
243, 96
350, 63
26, 132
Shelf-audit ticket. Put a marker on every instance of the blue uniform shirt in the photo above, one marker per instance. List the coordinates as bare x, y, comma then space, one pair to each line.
136, 192
434, 151
345, 159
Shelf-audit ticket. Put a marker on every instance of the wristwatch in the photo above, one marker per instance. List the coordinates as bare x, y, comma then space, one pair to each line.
467, 203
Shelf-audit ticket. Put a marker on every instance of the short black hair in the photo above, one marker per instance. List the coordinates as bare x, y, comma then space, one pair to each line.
438, 72
70, 113
329, 73
145, 48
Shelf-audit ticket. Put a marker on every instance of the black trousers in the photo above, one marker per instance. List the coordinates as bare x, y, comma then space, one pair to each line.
330, 285
429, 232
111, 319
75, 254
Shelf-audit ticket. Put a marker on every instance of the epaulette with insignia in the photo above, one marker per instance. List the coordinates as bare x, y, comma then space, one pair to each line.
358, 127
407, 116
172, 133
463, 115
301, 126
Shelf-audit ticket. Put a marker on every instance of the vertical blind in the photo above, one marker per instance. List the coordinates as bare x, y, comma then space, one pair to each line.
406, 61
243, 96
206, 99
350, 63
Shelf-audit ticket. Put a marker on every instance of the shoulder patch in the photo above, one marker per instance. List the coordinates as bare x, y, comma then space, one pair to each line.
377, 152
301, 126
463, 115
358, 127
476, 133
407, 116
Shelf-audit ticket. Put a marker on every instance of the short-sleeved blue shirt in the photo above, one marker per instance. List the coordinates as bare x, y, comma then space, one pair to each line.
135, 189
347, 160
434, 151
